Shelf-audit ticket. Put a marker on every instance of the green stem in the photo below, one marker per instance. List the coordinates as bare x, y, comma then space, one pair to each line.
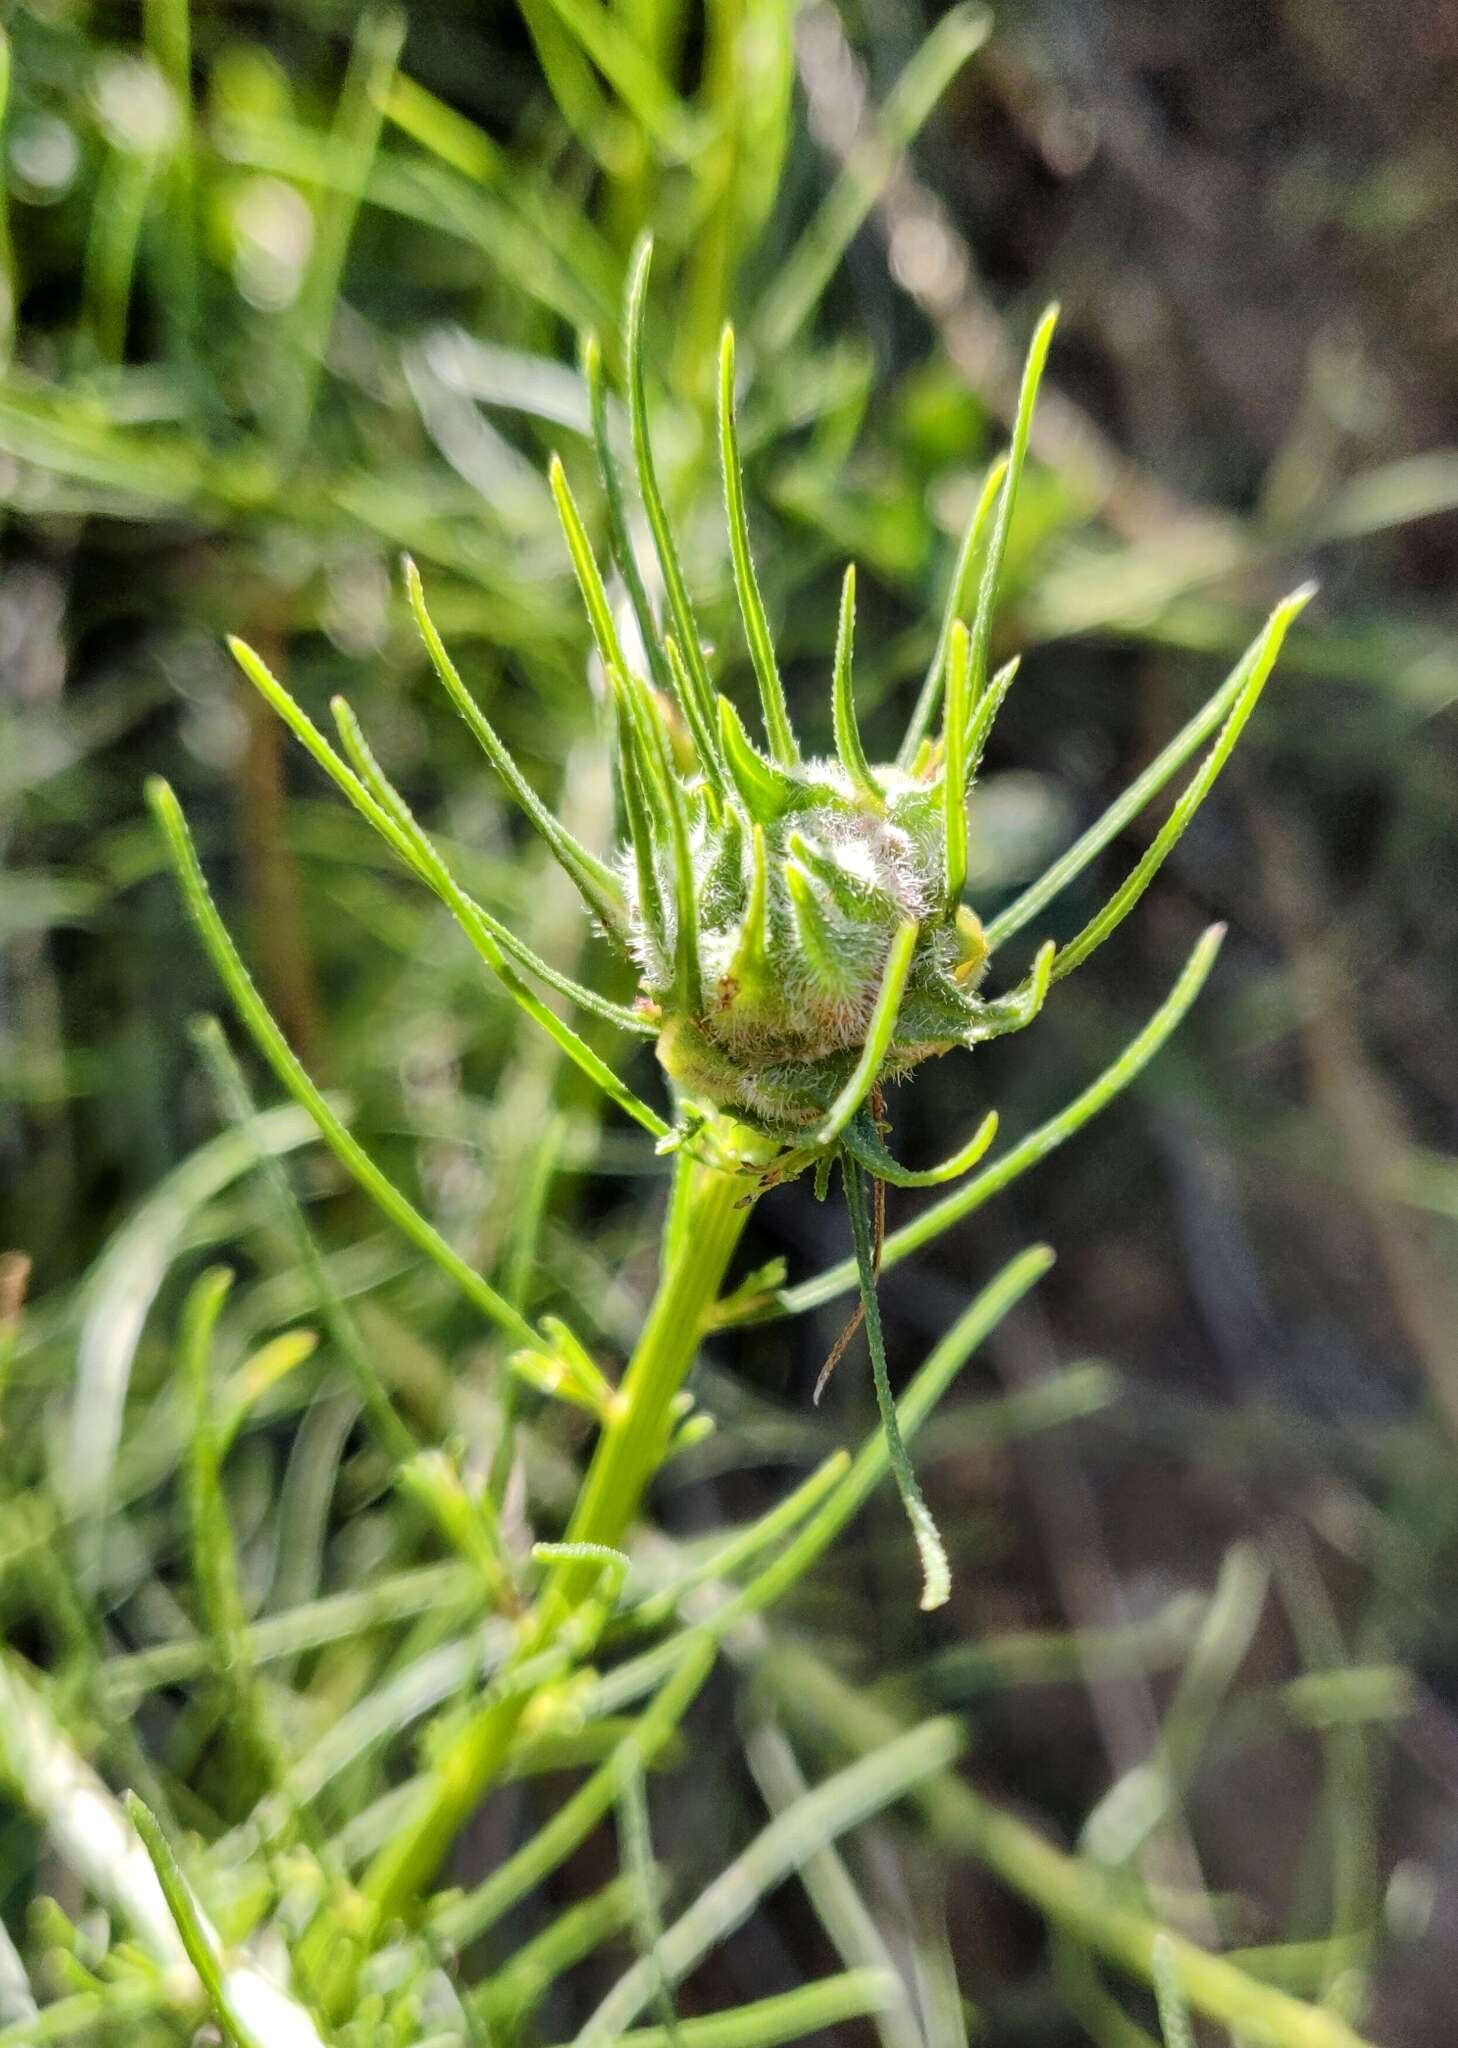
708, 1215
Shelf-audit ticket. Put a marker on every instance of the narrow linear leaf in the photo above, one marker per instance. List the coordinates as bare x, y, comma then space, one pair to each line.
1016, 1010
656, 747
214, 1561
873, 1461
641, 1870
1123, 810
954, 767
697, 702
645, 814
1263, 660
425, 861
599, 886
959, 592
196, 1939
762, 789
981, 720
269, 1039
517, 1987
1033, 1149
1091, 1906
936, 1574
238, 1105
825, 1813
862, 1140
751, 951
782, 744
459, 1921
1007, 500
478, 929
584, 564
745, 1544
878, 1037
843, 703
624, 553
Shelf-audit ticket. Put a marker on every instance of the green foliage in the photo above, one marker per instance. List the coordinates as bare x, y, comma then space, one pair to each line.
315, 1648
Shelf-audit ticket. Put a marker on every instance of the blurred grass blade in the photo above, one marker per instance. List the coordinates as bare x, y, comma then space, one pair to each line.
167, 29
772, 2022
214, 1557
841, 1803
632, 74
100, 1846
635, 1843
1137, 1803
336, 1617
746, 1544
746, 106
1174, 2014
123, 191
849, 1922
811, 264
354, 139
9, 276
459, 1921
18, 2008
514, 1991
1070, 1892
238, 1107
117, 1295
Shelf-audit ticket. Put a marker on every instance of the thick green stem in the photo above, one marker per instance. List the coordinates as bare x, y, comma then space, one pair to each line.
708, 1215
710, 1211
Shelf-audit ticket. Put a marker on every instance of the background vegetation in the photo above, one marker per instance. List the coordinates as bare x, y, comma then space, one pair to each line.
285, 290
